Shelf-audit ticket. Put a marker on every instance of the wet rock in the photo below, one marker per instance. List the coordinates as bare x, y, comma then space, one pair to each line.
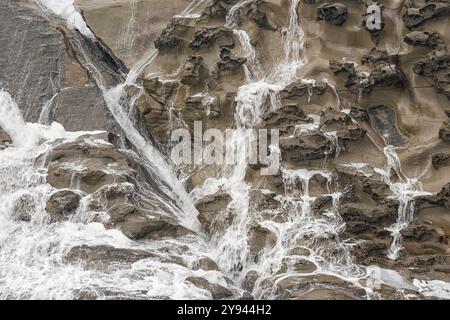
210, 207
376, 189
199, 105
285, 119
444, 132
206, 264
254, 11
358, 114
419, 14
260, 238
136, 224
440, 160
322, 203
385, 75
341, 125
361, 219
100, 257
87, 164
329, 286
383, 120
297, 265
250, 279
229, 62
194, 71
309, 146
264, 200
436, 67
62, 203
422, 239
219, 8
364, 251
209, 36
375, 55
172, 36
5, 140
217, 291
423, 38
335, 13
160, 90
24, 207
342, 67
382, 74
299, 88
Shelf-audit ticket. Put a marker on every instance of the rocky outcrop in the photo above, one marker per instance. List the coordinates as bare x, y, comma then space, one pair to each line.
5, 140
436, 66
381, 74
335, 13
194, 71
211, 208
444, 132
423, 38
209, 36
62, 203
419, 12
217, 291
137, 224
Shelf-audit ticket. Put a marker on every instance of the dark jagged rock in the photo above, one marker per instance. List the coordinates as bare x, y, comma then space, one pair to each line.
285, 118
436, 67
335, 13
423, 38
172, 36
299, 88
62, 204
309, 146
209, 36
194, 71
384, 121
440, 160
444, 132
253, 11
385, 75
417, 15
363, 220
358, 114
382, 74
341, 123
375, 55
229, 62
342, 67
219, 8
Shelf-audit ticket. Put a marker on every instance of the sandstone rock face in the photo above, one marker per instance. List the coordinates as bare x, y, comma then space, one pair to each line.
358, 208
